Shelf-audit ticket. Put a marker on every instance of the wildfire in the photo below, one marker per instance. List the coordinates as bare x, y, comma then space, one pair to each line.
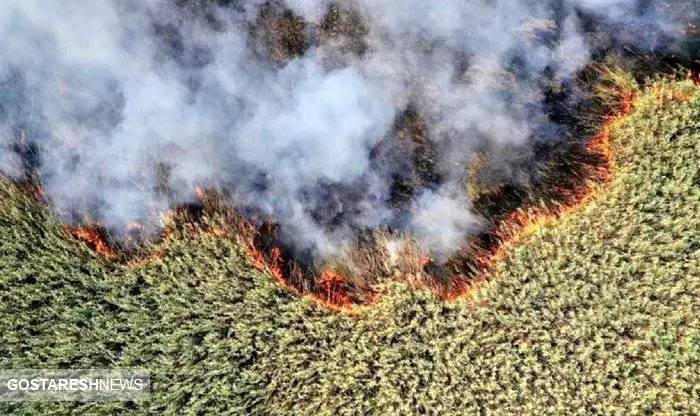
93, 237
332, 287
525, 221
331, 282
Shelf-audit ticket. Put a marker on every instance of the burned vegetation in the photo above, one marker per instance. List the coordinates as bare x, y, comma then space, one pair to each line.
554, 169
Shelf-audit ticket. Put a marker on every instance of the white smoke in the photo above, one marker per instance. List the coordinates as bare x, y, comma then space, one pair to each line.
105, 97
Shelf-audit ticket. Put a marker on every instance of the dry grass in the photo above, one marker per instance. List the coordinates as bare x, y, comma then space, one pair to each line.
592, 314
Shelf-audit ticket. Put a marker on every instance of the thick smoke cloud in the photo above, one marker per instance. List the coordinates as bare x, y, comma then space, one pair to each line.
109, 91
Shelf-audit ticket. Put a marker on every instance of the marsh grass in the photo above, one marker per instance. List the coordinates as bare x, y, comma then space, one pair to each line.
593, 314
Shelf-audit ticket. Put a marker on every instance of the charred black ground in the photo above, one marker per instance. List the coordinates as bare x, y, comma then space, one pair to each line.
547, 169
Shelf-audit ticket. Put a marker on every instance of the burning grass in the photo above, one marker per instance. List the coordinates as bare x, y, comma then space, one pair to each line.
511, 209
526, 220
595, 313
358, 275
95, 237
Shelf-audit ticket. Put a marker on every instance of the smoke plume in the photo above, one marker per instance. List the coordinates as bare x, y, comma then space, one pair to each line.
131, 105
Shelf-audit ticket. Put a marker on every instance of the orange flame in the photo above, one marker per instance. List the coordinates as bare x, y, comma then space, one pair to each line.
257, 258
92, 237
524, 222
331, 282
513, 229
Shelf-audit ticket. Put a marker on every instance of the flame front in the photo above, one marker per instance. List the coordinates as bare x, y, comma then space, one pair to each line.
523, 222
92, 237
331, 283
333, 287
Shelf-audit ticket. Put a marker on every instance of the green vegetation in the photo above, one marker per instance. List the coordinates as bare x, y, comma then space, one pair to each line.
596, 314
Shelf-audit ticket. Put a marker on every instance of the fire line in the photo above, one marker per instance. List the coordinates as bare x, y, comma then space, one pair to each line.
332, 286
